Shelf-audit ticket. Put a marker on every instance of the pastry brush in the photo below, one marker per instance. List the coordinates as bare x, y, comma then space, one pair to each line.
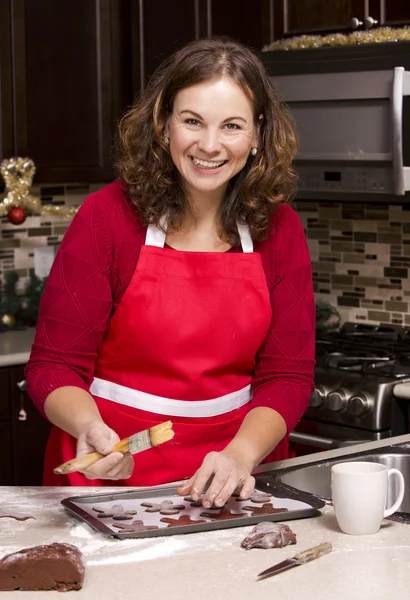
143, 440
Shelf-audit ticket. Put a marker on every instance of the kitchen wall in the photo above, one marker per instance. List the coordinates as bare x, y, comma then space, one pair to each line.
360, 252
361, 258
17, 243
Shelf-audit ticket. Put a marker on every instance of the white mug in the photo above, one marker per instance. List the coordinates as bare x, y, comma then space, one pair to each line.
359, 493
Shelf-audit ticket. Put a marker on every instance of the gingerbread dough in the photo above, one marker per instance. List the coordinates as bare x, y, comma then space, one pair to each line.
269, 535
134, 526
9, 515
224, 515
167, 507
182, 520
116, 512
265, 509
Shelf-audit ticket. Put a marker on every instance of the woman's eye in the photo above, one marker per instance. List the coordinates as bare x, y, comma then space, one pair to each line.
232, 126
192, 122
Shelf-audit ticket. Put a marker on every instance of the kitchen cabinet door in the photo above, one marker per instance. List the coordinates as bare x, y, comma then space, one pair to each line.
6, 98
296, 17
6, 462
29, 437
67, 90
392, 13
160, 28
247, 21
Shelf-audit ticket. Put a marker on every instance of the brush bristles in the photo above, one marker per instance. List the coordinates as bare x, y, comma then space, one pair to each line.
161, 433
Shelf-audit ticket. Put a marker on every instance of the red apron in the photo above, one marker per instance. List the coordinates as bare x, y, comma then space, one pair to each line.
181, 346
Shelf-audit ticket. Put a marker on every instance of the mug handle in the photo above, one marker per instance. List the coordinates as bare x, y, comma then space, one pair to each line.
399, 475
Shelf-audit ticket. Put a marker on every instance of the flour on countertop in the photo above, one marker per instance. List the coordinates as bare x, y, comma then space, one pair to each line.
99, 549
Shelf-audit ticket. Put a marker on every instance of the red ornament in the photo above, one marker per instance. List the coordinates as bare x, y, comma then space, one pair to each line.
17, 215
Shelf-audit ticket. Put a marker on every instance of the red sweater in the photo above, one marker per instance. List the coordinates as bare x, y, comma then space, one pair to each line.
92, 270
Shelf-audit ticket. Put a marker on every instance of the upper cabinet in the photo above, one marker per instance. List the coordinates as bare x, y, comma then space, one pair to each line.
296, 17
70, 68
160, 28
63, 84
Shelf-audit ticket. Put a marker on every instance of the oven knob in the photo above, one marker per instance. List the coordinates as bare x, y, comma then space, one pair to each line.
359, 405
337, 400
317, 398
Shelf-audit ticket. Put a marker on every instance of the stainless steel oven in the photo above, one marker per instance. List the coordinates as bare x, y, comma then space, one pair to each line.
362, 391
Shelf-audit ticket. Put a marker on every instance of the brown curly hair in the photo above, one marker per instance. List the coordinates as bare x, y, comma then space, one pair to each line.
144, 163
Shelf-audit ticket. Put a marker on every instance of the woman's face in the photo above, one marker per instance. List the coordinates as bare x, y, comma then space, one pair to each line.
211, 133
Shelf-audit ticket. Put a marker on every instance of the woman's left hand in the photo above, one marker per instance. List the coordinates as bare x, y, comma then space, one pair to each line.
225, 475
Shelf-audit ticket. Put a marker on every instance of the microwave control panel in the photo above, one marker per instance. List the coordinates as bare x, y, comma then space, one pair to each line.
345, 179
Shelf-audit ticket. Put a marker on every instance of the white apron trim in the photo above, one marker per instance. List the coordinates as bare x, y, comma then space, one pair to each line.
166, 406
156, 237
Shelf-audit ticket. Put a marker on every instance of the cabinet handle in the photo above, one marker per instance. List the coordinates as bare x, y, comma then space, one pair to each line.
22, 385
22, 416
355, 23
369, 22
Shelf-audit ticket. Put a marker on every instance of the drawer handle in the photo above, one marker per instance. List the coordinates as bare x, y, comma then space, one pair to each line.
22, 416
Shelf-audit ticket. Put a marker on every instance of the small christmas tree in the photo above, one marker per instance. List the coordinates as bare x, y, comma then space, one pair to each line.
31, 300
19, 309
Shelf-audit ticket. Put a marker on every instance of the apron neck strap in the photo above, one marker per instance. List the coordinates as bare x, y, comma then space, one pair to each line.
156, 237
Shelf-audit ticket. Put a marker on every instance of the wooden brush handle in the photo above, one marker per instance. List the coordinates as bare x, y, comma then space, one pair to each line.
83, 462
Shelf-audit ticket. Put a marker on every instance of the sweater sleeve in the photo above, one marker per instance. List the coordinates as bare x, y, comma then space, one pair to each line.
75, 307
283, 375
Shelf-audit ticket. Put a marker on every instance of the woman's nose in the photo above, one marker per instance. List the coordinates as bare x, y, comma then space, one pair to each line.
209, 141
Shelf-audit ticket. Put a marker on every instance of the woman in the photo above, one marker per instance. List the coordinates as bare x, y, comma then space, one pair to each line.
183, 290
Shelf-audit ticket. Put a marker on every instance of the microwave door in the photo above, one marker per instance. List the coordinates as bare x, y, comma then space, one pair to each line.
401, 87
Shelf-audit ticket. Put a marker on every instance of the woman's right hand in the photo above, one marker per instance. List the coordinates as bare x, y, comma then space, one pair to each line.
96, 436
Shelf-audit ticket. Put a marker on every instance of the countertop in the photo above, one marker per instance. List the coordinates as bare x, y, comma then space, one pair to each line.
212, 564
15, 346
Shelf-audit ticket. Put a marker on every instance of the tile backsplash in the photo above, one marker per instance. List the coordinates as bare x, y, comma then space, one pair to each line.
17, 243
360, 252
361, 258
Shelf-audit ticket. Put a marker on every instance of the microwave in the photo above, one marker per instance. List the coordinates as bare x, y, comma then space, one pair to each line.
353, 124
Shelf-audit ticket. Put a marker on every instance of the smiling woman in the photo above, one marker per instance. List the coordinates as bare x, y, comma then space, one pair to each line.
183, 291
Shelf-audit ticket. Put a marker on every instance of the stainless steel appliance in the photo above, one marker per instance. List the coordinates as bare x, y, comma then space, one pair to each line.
362, 393
353, 119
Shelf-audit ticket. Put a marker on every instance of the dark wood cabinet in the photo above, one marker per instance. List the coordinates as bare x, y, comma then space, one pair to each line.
61, 67
22, 442
392, 12
160, 28
296, 17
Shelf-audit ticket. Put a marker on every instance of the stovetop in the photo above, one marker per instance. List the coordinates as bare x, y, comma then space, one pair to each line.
371, 350
355, 374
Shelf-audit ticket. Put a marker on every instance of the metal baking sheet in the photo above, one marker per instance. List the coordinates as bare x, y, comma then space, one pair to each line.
299, 505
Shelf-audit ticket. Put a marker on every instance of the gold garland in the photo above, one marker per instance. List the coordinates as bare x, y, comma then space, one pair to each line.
380, 35
18, 175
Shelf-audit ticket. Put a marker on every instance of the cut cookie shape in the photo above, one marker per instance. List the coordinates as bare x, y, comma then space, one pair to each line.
116, 512
134, 526
223, 515
193, 502
10, 515
269, 535
265, 509
167, 507
182, 520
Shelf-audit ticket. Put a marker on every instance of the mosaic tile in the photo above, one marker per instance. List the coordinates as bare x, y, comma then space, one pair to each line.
402, 307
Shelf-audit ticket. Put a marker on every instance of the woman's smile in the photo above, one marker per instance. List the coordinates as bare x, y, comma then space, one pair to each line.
208, 165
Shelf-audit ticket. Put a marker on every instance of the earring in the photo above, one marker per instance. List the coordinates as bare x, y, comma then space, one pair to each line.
166, 140
254, 151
